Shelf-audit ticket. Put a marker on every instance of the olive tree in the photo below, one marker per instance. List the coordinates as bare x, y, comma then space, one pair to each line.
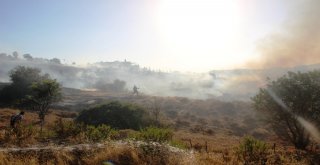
44, 93
283, 101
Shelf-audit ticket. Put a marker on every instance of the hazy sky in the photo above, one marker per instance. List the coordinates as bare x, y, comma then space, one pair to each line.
185, 35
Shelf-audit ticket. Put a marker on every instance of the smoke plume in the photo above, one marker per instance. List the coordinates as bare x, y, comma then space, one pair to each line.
297, 43
121, 76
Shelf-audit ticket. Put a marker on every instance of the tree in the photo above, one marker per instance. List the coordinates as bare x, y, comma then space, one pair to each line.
55, 60
290, 97
28, 57
15, 54
31, 90
44, 93
22, 78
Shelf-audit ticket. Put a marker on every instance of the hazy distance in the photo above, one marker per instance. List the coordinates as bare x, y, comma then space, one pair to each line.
170, 35
192, 48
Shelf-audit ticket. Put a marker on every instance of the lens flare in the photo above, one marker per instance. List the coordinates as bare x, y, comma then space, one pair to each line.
312, 130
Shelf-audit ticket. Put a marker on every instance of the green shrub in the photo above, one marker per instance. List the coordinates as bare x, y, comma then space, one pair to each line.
99, 133
252, 151
117, 115
155, 134
66, 128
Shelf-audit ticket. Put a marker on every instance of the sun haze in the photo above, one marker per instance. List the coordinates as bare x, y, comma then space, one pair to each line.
183, 35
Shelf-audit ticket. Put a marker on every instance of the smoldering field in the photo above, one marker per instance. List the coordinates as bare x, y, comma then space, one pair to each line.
121, 76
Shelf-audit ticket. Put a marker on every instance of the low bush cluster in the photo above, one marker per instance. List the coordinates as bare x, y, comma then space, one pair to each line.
67, 128
252, 151
81, 132
99, 133
154, 134
62, 130
20, 135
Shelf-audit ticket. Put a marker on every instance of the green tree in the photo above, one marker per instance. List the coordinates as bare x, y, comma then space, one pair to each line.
44, 93
283, 101
22, 78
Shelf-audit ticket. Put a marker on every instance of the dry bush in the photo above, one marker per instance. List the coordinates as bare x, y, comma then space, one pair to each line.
250, 122
209, 131
173, 114
21, 135
66, 128
260, 133
124, 134
181, 123
238, 130
198, 129
38, 157
6, 159
216, 123
202, 121
211, 158
216, 143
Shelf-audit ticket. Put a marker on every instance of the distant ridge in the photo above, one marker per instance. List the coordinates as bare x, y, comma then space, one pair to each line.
121, 76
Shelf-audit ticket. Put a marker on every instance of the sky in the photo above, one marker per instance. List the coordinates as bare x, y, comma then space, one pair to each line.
170, 35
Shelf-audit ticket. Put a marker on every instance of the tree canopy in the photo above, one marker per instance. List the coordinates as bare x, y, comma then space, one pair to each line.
44, 93
21, 80
287, 98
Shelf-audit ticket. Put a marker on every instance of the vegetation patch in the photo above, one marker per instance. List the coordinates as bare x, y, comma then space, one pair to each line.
252, 151
155, 134
117, 115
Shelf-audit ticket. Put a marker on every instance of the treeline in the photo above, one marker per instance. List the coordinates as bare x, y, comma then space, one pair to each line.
16, 56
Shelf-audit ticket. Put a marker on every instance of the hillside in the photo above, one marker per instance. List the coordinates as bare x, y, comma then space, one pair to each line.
108, 122
121, 76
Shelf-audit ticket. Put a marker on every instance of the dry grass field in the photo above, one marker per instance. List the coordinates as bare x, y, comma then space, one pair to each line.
197, 148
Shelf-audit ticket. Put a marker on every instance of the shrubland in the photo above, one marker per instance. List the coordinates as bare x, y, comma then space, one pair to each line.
117, 115
161, 130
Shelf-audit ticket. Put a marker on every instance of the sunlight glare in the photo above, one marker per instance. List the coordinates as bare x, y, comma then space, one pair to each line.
209, 29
